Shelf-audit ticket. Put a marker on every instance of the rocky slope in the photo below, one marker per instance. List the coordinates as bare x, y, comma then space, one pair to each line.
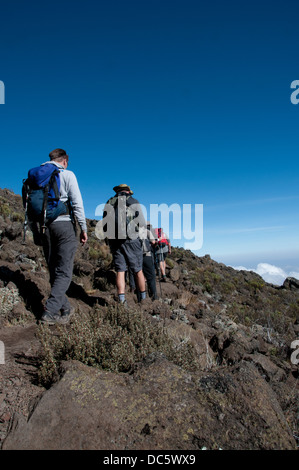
207, 365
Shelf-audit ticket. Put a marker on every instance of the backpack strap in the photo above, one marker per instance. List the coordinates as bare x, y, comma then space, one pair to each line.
53, 183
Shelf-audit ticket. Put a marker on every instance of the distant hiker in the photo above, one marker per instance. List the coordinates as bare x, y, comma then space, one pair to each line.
163, 248
122, 220
59, 235
148, 267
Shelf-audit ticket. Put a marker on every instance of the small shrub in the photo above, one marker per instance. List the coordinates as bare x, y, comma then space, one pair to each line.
17, 217
228, 287
197, 276
109, 338
4, 210
256, 284
93, 253
100, 251
170, 263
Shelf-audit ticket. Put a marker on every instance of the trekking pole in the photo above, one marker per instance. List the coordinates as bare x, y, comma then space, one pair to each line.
25, 224
160, 284
44, 209
159, 273
161, 254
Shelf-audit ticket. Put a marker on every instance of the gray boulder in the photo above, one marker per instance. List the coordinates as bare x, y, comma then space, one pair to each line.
160, 406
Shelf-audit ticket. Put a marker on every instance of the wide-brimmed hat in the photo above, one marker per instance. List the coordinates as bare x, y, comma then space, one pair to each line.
122, 187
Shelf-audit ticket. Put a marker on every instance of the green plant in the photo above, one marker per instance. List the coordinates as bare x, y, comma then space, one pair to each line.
17, 217
170, 263
110, 338
273, 351
256, 284
101, 252
228, 287
4, 209
93, 253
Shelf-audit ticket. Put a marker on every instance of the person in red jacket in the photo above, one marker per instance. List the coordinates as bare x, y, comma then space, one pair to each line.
163, 249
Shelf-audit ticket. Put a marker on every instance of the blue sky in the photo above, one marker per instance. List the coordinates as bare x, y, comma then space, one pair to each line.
188, 102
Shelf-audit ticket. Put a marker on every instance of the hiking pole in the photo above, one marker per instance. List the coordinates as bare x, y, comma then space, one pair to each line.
156, 264
159, 273
44, 209
25, 225
161, 254
26, 216
160, 287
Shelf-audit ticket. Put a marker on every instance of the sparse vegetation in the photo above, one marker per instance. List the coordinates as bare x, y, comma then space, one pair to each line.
7, 210
111, 338
169, 263
256, 284
100, 252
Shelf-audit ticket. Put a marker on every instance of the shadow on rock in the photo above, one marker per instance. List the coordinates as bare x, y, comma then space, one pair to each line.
76, 291
32, 294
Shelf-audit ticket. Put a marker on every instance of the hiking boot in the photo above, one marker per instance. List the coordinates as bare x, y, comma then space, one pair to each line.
163, 279
67, 314
63, 319
50, 318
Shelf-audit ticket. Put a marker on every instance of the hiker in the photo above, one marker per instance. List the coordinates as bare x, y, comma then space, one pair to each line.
122, 219
163, 248
60, 241
148, 266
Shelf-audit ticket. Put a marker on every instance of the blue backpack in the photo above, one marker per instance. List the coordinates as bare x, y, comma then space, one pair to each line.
41, 195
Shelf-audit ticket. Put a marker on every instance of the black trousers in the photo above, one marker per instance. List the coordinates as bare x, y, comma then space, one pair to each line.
149, 272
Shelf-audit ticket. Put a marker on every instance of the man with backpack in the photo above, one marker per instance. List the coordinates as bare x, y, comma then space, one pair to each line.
122, 220
57, 223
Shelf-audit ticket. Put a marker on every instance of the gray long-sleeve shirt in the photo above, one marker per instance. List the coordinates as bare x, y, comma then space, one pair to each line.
69, 190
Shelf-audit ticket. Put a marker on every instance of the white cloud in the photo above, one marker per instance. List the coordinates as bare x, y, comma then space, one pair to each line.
270, 273
294, 274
